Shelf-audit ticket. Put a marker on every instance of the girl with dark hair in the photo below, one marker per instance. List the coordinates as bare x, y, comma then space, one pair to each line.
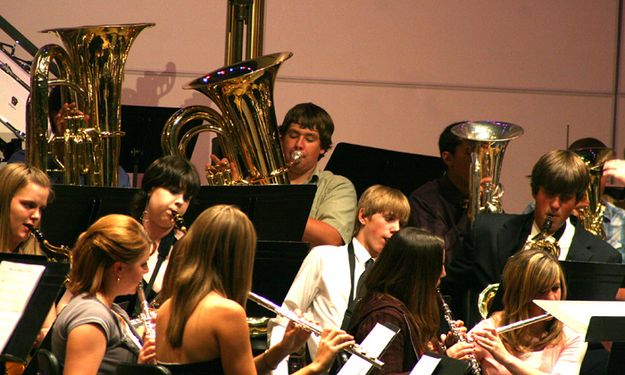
401, 289
167, 187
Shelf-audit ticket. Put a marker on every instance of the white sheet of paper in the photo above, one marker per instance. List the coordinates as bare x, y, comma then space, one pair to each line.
17, 283
577, 314
425, 366
374, 344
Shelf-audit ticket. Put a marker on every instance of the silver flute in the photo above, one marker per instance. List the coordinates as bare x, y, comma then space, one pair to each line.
523, 323
475, 368
146, 314
290, 315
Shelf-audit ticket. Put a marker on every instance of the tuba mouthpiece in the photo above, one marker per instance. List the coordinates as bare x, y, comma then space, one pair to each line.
296, 157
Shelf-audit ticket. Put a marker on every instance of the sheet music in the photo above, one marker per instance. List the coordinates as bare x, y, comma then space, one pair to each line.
17, 283
425, 366
577, 314
374, 344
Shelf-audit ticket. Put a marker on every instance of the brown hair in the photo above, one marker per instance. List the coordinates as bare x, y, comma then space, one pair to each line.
217, 254
560, 172
310, 116
112, 238
380, 199
528, 274
408, 269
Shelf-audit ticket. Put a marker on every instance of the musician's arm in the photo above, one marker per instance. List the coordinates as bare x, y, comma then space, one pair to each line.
333, 212
86, 345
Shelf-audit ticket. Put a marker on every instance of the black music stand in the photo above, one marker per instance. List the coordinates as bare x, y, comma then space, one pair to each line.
74, 208
21, 342
365, 166
279, 212
610, 328
591, 281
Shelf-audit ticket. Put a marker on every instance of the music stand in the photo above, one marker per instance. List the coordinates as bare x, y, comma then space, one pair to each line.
365, 166
75, 208
21, 342
598, 321
279, 212
591, 281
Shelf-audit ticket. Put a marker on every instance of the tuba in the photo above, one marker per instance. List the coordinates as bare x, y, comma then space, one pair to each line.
247, 124
488, 141
91, 69
592, 215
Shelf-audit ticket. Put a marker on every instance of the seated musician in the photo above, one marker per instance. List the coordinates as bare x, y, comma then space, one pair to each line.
545, 347
201, 326
92, 334
441, 205
327, 281
167, 187
613, 216
307, 129
558, 181
401, 289
24, 193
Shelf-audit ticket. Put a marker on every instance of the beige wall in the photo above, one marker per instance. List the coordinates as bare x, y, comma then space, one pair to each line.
392, 73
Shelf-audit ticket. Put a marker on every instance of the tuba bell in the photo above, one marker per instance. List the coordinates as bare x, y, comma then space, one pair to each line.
91, 70
247, 124
488, 141
592, 215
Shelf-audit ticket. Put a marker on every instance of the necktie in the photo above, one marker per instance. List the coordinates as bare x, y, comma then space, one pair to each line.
361, 279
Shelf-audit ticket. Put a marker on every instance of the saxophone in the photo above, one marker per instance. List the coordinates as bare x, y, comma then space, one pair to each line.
474, 368
179, 222
541, 240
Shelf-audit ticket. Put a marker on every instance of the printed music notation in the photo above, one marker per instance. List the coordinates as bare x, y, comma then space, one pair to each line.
17, 283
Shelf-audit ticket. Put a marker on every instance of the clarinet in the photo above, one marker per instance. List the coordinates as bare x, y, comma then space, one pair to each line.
475, 368
179, 222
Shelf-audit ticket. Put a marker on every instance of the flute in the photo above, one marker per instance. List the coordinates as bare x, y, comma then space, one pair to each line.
145, 315
523, 323
290, 315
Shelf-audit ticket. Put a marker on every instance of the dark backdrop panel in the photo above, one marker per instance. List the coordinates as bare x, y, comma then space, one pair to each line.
366, 166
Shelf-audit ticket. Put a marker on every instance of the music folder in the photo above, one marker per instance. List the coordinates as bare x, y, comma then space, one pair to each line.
20, 341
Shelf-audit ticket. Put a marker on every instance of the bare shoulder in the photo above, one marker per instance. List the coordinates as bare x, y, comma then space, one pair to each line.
219, 307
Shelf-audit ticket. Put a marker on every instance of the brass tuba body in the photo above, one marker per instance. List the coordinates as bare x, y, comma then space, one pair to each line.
488, 141
91, 71
247, 124
592, 215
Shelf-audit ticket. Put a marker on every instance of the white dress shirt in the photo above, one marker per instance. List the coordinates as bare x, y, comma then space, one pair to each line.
321, 288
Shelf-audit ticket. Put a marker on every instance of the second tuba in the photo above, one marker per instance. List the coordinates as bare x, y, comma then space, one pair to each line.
592, 215
91, 70
247, 124
488, 141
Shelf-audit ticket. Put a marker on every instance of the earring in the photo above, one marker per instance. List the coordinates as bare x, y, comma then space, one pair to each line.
118, 278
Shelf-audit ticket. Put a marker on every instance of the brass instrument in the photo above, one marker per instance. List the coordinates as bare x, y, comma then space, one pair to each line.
592, 216
146, 314
53, 253
92, 66
488, 141
485, 299
541, 241
247, 124
290, 315
242, 13
475, 368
